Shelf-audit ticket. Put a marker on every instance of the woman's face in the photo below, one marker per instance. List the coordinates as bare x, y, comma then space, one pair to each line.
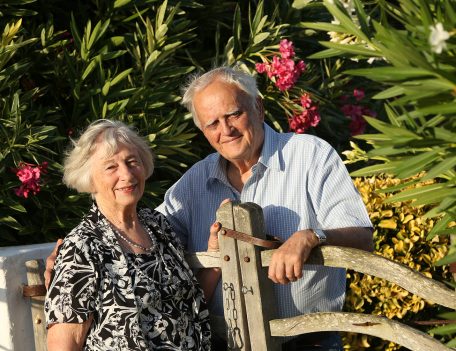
117, 181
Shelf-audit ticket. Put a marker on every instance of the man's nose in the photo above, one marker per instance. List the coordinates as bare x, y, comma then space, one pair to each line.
227, 128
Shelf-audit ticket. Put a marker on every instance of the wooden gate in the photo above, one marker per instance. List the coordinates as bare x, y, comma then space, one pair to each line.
249, 321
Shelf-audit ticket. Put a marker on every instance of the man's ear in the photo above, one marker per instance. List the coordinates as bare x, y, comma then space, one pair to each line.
260, 108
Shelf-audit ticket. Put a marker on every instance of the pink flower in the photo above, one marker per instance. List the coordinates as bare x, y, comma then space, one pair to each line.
286, 49
260, 67
306, 101
356, 112
309, 117
358, 94
30, 177
283, 71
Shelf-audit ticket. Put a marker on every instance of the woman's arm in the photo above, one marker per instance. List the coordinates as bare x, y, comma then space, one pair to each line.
68, 336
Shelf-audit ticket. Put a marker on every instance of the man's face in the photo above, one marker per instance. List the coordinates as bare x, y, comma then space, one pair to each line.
229, 122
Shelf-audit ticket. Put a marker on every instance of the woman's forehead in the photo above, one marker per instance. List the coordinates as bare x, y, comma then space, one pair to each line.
105, 150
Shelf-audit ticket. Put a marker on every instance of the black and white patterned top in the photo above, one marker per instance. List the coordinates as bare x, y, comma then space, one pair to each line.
138, 301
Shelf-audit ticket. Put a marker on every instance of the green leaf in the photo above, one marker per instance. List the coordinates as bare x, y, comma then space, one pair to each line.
237, 30
389, 93
260, 37
345, 21
372, 170
326, 27
354, 49
446, 329
121, 76
120, 3
10, 222
445, 165
391, 73
415, 164
97, 33
412, 194
390, 130
326, 54
90, 67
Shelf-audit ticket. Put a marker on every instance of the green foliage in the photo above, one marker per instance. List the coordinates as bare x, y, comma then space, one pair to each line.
63, 65
400, 235
409, 46
418, 86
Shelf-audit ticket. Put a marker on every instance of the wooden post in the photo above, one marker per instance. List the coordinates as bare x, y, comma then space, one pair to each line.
256, 287
35, 271
233, 299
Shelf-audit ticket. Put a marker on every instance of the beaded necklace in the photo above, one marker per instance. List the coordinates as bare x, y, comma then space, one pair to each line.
138, 246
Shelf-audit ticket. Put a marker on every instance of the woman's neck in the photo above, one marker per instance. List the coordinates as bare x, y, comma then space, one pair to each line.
122, 218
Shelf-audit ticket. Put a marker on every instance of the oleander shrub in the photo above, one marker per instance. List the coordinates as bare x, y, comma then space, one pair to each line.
400, 232
64, 64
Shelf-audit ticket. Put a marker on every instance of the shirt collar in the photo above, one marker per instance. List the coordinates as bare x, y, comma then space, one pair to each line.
269, 157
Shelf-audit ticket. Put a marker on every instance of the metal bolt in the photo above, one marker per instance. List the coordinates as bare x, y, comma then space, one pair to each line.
38, 320
247, 259
226, 258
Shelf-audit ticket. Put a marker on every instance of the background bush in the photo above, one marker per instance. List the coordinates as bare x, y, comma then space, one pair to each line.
400, 235
63, 65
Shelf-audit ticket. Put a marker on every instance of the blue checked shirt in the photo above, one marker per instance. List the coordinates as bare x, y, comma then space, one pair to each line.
300, 182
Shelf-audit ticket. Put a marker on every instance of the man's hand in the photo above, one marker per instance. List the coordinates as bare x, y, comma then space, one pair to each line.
287, 261
50, 261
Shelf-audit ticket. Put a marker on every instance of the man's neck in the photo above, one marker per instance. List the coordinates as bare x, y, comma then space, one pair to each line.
238, 176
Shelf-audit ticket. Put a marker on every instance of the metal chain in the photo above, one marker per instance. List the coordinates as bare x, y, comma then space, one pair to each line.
235, 340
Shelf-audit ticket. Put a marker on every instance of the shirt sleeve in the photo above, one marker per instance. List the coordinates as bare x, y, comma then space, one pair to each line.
175, 209
335, 198
71, 295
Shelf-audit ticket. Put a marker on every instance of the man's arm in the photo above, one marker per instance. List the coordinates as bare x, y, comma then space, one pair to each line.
288, 260
50, 262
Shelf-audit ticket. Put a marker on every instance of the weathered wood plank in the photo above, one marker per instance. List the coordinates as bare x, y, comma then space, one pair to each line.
368, 263
233, 299
358, 323
35, 271
203, 259
257, 288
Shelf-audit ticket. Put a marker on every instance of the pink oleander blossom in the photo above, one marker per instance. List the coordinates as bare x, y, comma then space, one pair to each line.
308, 117
283, 71
358, 94
286, 49
355, 112
30, 177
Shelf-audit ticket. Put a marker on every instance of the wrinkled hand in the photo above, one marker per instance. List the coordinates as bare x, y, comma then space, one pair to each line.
50, 262
287, 261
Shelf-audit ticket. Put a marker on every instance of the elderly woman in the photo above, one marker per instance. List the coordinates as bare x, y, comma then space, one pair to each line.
121, 281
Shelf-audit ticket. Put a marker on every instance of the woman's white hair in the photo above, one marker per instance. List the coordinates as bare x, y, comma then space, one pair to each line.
230, 75
77, 173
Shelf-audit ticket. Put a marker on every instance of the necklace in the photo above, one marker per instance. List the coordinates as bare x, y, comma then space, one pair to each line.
138, 246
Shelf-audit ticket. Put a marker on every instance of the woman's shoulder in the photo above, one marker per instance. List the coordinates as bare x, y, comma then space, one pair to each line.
84, 237
158, 222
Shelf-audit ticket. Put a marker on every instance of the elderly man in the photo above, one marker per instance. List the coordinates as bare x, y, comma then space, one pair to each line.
307, 196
